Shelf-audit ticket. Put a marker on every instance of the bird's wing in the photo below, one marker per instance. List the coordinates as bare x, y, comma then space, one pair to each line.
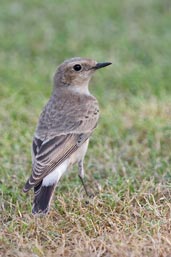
51, 153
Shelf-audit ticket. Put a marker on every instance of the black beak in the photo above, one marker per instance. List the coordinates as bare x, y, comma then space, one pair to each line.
100, 65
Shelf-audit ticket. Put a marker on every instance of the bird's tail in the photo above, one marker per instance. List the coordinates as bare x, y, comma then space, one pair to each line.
42, 199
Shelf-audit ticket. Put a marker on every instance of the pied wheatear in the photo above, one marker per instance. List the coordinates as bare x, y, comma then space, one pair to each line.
64, 128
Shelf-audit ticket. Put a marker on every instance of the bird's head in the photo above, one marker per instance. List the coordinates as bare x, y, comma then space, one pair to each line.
76, 73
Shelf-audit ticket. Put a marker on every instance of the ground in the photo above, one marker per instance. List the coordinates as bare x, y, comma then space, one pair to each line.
128, 162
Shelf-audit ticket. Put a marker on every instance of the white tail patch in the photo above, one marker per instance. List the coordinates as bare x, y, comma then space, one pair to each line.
56, 174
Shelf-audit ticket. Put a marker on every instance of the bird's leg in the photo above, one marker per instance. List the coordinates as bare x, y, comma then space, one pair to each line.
81, 176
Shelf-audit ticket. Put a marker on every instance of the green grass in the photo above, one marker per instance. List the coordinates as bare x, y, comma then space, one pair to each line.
129, 158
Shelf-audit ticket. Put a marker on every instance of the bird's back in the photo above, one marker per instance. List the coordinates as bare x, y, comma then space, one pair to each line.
64, 113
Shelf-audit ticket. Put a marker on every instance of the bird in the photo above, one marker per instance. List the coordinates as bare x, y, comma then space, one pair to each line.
62, 134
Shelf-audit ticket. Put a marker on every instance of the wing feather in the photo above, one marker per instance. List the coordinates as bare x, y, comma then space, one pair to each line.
51, 154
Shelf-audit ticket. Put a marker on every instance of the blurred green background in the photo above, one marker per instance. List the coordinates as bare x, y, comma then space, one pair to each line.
134, 35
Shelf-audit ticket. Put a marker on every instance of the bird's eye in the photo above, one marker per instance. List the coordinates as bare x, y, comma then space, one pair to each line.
77, 67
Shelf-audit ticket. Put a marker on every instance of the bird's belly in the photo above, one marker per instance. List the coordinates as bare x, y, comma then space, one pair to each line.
56, 174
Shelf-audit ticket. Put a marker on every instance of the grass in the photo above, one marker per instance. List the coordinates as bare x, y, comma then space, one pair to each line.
128, 161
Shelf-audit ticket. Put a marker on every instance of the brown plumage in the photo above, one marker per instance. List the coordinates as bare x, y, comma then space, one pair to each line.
64, 128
